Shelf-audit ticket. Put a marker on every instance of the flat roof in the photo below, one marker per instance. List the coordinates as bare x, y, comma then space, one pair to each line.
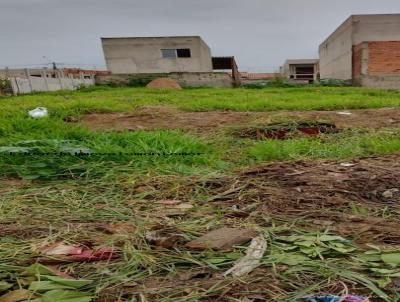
301, 61
353, 17
155, 37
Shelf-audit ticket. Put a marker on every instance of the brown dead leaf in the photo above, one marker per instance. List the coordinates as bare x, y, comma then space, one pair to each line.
16, 296
222, 239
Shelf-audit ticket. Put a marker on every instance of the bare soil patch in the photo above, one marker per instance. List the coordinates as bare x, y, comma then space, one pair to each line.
287, 130
164, 83
322, 195
149, 118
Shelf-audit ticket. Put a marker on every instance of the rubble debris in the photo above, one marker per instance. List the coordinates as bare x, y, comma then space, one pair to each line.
252, 259
221, 239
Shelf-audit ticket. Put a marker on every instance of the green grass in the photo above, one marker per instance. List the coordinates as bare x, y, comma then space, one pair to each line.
349, 144
16, 128
104, 99
113, 186
100, 154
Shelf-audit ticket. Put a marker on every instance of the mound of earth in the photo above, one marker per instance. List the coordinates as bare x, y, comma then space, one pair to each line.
164, 83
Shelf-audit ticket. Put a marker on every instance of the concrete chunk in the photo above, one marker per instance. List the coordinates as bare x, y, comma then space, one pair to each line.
222, 239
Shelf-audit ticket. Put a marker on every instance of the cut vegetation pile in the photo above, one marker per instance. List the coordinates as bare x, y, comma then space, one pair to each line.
160, 211
288, 130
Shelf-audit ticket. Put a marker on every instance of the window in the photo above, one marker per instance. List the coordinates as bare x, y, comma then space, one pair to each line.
168, 53
176, 53
183, 53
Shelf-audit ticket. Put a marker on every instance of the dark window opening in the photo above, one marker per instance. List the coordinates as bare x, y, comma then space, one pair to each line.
176, 53
305, 73
183, 53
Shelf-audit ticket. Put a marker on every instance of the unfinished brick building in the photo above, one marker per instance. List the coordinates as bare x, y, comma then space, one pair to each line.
364, 49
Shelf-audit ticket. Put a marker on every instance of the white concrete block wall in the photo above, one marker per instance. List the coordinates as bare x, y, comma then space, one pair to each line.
23, 86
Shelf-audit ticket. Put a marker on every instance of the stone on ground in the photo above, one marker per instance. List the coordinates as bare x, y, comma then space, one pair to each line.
222, 239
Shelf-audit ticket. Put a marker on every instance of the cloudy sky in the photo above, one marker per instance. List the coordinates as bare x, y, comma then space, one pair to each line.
260, 33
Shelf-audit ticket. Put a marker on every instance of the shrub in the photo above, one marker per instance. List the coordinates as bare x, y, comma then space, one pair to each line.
335, 83
276, 82
5, 87
142, 80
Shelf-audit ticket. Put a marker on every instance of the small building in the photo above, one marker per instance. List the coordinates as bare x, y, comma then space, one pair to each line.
364, 49
301, 70
156, 55
185, 58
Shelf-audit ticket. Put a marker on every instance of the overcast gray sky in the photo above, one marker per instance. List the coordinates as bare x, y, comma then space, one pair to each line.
260, 33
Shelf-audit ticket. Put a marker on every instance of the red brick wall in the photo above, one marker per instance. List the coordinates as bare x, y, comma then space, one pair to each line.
357, 60
384, 58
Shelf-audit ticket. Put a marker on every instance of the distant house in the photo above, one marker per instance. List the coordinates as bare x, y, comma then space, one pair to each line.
364, 49
303, 70
258, 75
185, 58
157, 55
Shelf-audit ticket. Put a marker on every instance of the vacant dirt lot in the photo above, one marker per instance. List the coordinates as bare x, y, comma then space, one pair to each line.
171, 118
313, 195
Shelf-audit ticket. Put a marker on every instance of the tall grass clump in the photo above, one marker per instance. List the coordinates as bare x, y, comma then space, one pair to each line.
338, 146
84, 153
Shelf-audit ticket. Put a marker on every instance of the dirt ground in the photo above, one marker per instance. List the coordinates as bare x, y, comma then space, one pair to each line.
314, 195
357, 199
149, 118
322, 193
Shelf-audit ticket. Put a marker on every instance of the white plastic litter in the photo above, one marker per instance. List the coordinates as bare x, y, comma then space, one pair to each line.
344, 113
252, 259
347, 165
39, 112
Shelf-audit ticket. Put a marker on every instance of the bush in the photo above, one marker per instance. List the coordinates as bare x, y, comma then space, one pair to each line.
5, 86
142, 80
335, 83
276, 82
